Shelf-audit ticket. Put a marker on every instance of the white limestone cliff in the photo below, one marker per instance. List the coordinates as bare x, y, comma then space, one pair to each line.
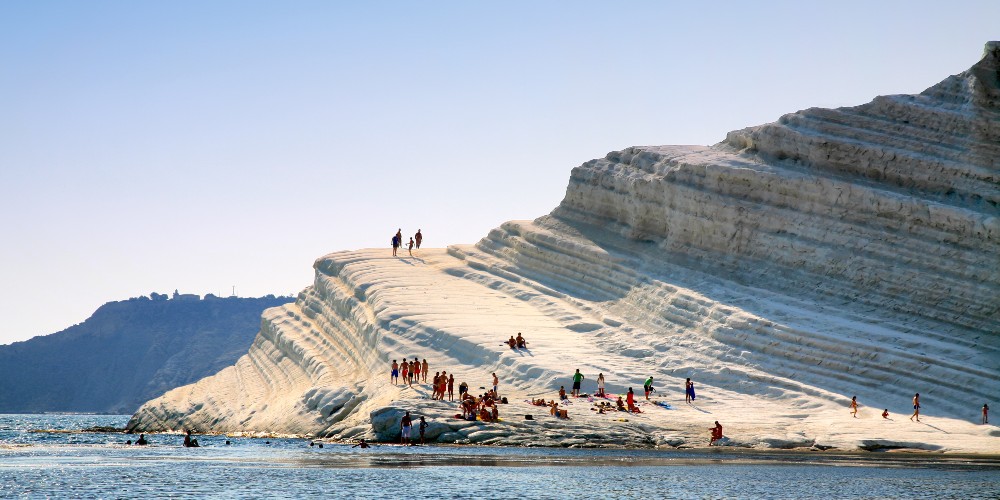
833, 253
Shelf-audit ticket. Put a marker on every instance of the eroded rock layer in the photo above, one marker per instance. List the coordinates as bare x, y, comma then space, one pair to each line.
833, 253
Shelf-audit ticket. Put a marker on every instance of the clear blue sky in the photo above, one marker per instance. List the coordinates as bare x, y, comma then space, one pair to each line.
153, 146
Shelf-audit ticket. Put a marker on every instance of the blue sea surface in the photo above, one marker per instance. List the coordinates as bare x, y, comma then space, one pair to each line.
45, 456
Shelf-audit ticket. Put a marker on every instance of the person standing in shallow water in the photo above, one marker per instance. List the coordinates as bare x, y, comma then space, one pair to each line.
916, 407
418, 238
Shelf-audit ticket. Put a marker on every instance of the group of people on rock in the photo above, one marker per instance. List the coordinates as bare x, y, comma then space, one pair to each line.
397, 241
409, 370
443, 382
517, 343
485, 407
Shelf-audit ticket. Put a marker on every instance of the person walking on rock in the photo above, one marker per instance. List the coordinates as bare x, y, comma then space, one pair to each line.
577, 379
425, 367
394, 374
404, 429
405, 369
986, 414
854, 406
916, 407
417, 238
409, 247
648, 387
422, 428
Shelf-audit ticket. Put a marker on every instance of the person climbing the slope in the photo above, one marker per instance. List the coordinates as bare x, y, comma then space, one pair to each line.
916, 407
418, 238
577, 379
689, 391
648, 387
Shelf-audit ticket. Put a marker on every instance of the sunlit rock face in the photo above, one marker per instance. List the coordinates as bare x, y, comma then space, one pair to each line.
833, 253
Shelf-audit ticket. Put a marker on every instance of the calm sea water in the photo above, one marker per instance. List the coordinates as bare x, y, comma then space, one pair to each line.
97, 465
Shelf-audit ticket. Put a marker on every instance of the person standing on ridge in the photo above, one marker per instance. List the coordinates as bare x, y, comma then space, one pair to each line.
577, 379
916, 407
418, 238
395, 245
409, 247
986, 414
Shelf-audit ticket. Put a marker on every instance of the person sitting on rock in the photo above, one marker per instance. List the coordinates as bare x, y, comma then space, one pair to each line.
511, 342
562, 392
621, 404
716, 433
521, 343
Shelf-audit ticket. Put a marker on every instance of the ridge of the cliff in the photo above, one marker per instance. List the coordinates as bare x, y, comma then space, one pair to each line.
795, 264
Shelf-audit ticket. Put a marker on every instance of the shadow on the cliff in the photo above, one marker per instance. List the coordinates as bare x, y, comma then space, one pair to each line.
695, 407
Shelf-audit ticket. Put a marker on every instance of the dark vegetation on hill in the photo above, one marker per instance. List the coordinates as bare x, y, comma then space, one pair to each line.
129, 352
